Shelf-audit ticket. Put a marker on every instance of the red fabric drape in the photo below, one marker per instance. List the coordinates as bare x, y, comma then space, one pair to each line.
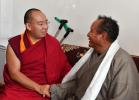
43, 62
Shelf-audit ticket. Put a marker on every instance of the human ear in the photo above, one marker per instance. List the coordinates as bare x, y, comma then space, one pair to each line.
28, 26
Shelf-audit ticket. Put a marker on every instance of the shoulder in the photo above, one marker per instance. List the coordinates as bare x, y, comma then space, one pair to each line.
14, 42
14, 39
123, 63
123, 57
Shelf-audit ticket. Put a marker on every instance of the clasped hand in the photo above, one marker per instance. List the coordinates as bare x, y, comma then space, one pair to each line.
44, 90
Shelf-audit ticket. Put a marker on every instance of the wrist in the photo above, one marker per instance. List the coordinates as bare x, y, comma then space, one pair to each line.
37, 88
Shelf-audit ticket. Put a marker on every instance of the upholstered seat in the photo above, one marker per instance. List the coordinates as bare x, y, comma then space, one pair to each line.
2, 60
73, 53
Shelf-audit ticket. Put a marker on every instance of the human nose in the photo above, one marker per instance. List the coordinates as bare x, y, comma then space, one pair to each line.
88, 34
45, 26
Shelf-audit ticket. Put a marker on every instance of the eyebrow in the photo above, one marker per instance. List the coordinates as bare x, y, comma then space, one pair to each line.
42, 21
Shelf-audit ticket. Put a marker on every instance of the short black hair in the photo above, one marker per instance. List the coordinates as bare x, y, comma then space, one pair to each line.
110, 26
27, 16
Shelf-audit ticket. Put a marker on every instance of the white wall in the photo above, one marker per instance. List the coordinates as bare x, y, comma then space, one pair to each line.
80, 14
6, 18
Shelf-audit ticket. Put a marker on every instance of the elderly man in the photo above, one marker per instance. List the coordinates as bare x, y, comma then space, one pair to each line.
33, 60
108, 71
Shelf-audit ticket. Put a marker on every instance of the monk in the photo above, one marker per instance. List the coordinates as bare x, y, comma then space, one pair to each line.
33, 59
108, 71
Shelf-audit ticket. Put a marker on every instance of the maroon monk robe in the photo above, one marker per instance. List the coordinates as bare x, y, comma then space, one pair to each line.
43, 62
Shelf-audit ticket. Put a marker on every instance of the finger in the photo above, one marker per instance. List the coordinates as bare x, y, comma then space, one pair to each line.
48, 94
44, 95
